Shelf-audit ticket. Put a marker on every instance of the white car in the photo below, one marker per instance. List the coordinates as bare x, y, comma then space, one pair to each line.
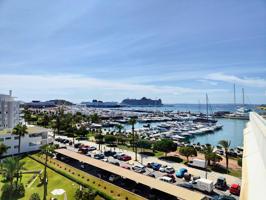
162, 168
169, 170
139, 168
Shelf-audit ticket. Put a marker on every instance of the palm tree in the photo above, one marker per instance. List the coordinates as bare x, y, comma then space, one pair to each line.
132, 121
57, 122
46, 150
20, 130
3, 149
226, 144
12, 167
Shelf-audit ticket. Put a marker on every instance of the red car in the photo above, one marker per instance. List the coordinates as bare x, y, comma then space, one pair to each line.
125, 158
125, 166
235, 189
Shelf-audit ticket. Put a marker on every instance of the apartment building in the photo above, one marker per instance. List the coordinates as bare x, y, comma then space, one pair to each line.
32, 141
9, 111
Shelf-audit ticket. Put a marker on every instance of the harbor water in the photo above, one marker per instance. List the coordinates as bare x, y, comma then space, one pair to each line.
232, 128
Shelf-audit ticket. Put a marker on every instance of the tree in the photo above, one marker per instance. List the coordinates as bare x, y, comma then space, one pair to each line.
12, 167
57, 122
226, 144
99, 140
144, 144
215, 158
132, 121
46, 150
208, 153
35, 196
188, 151
20, 130
85, 194
109, 139
3, 149
119, 127
95, 118
165, 145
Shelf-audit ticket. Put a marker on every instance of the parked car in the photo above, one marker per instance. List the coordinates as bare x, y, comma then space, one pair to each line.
154, 166
77, 145
186, 185
235, 189
171, 176
151, 175
224, 197
118, 155
125, 158
125, 166
139, 168
180, 173
92, 148
109, 153
114, 162
166, 179
221, 183
187, 176
162, 168
99, 156
169, 170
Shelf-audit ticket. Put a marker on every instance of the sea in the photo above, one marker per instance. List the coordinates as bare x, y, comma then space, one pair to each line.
232, 128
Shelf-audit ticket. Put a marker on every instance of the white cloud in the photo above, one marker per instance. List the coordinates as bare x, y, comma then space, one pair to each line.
250, 82
48, 83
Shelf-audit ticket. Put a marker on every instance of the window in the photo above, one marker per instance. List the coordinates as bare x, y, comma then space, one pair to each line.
1, 139
8, 138
16, 137
16, 147
32, 144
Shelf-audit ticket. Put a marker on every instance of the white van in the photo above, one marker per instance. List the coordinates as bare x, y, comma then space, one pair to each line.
203, 185
198, 163
166, 179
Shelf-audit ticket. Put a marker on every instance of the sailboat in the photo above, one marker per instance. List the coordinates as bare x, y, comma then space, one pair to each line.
242, 112
206, 119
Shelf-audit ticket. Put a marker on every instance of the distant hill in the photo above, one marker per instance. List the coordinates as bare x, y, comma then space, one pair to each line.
60, 102
142, 102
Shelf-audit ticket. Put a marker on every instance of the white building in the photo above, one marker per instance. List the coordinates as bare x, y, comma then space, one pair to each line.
9, 111
32, 141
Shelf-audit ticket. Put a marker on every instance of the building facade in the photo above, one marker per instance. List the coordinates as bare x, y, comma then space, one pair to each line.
9, 111
32, 141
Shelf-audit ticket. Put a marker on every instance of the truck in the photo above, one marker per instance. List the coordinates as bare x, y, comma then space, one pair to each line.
203, 185
197, 163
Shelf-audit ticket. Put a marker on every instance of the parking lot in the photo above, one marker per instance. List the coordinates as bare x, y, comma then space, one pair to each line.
131, 165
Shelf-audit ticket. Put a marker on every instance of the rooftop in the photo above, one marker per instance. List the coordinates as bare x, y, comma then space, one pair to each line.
171, 189
30, 129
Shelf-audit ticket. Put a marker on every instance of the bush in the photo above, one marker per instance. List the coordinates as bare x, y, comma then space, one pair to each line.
239, 162
13, 192
35, 196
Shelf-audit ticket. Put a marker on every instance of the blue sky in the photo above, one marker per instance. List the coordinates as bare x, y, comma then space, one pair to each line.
109, 50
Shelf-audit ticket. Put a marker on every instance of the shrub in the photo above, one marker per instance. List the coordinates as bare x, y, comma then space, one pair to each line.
239, 162
35, 196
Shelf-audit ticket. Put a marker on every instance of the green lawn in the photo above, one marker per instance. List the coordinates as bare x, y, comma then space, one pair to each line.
55, 181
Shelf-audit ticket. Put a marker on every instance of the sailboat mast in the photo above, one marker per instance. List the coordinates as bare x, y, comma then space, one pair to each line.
207, 106
235, 95
243, 96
